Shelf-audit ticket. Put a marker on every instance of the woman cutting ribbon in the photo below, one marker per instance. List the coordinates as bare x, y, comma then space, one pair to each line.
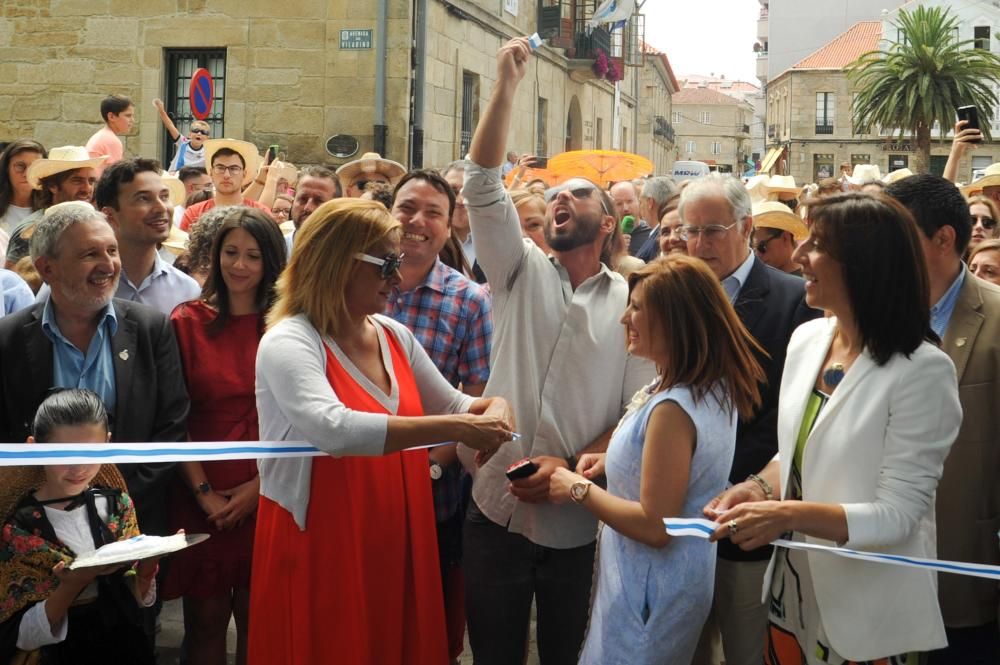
868, 412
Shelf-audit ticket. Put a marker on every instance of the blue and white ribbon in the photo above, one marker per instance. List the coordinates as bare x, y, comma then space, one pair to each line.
34, 454
703, 528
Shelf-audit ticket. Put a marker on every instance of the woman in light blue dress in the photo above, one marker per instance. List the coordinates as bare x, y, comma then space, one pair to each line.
669, 456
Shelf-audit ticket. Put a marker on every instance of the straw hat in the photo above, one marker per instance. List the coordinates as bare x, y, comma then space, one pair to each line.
65, 158
990, 178
371, 162
864, 173
246, 150
776, 215
896, 176
16, 481
762, 187
177, 242
178, 192
286, 170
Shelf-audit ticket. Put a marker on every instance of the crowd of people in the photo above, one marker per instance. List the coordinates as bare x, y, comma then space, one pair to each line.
511, 391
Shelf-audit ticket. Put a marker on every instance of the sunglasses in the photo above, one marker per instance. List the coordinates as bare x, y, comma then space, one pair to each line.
761, 246
203, 132
361, 184
388, 265
578, 192
987, 222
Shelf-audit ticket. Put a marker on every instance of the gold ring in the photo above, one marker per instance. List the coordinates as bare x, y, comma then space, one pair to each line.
733, 527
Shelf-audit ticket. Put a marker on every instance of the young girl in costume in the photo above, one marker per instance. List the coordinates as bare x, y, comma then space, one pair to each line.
52, 514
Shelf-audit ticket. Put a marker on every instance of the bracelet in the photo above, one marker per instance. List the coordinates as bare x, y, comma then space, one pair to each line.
764, 486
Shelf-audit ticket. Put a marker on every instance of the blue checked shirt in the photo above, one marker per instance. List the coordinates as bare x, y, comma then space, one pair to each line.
451, 317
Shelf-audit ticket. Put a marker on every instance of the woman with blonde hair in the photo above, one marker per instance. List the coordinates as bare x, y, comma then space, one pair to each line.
530, 205
669, 455
984, 261
345, 566
985, 217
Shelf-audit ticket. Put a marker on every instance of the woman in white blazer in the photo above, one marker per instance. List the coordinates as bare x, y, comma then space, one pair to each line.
868, 411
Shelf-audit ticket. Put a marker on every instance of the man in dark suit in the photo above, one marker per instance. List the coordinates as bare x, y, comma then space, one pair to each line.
81, 337
965, 314
716, 213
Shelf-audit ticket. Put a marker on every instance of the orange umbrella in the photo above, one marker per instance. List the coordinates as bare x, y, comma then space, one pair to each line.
601, 166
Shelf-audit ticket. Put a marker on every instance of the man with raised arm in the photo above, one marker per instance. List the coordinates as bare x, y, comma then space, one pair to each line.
559, 356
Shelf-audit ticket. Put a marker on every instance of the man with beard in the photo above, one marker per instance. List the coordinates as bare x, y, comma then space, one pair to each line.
316, 186
559, 358
67, 174
79, 337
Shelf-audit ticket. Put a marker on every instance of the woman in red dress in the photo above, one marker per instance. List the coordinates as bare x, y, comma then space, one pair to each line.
345, 566
218, 337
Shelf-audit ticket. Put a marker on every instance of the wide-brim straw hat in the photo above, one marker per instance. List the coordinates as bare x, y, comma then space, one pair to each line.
864, 174
177, 242
286, 170
370, 162
178, 192
248, 151
17, 481
990, 178
896, 176
776, 215
761, 187
64, 158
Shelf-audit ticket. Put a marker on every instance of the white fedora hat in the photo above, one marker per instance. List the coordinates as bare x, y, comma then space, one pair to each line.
864, 173
990, 178
371, 162
64, 158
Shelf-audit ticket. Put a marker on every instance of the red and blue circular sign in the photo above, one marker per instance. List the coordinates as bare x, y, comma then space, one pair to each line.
202, 93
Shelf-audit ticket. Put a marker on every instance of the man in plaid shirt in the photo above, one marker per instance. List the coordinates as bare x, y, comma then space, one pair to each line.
451, 316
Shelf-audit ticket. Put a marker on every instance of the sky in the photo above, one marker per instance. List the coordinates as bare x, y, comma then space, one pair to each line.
705, 36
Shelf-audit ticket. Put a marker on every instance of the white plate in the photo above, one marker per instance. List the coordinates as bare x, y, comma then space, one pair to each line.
136, 548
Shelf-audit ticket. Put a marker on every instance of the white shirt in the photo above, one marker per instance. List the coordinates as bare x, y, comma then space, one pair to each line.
469, 249
558, 356
295, 402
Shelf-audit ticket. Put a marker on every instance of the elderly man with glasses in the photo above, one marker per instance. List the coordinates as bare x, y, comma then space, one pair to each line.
559, 357
717, 224
232, 166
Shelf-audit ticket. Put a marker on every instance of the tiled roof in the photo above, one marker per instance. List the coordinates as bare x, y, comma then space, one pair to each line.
649, 50
703, 96
860, 38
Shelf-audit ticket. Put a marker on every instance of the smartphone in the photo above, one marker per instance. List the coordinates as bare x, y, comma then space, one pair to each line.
521, 469
272, 152
971, 115
540, 163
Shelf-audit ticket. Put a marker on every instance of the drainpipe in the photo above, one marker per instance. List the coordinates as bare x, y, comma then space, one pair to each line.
419, 60
380, 131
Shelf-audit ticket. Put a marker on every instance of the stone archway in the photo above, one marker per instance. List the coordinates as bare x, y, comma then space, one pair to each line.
574, 126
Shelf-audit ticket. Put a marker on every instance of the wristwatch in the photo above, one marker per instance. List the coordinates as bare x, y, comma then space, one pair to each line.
202, 489
579, 490
436, 471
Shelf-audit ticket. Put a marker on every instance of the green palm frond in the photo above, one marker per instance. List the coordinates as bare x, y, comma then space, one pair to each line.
924, 78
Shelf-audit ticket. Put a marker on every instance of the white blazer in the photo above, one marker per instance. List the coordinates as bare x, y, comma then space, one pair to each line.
877, 448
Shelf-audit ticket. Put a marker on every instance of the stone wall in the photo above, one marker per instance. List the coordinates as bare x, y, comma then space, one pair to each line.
287, 80
725, 127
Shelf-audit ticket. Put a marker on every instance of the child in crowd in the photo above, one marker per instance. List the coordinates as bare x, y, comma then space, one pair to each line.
191, 148
118, 113
52, 514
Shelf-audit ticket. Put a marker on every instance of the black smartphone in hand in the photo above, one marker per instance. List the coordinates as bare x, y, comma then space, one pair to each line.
971, 116
272, 152
521, 469
539, 163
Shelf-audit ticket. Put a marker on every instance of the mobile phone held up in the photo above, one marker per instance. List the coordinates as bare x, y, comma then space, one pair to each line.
521, 469
540, 163
971, 116
272, 152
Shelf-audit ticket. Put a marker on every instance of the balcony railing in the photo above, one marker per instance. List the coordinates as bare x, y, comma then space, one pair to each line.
824, 129
663, 128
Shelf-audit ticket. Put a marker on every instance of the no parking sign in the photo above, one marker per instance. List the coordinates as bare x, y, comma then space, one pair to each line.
202, 93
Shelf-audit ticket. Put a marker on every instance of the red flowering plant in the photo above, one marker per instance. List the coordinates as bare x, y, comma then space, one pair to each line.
613, 73
600, 66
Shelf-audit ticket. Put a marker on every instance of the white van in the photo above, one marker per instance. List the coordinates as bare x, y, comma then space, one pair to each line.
685, 170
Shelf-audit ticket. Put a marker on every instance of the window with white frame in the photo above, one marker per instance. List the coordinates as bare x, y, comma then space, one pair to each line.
706, 117
716, 148
690, 146
675, 117
824, 112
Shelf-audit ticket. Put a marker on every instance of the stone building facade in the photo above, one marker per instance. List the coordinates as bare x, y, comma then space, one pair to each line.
809, 121
656, 136
713, 128
298, 72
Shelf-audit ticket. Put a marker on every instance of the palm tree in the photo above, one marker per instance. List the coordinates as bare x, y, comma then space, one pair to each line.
921, 80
